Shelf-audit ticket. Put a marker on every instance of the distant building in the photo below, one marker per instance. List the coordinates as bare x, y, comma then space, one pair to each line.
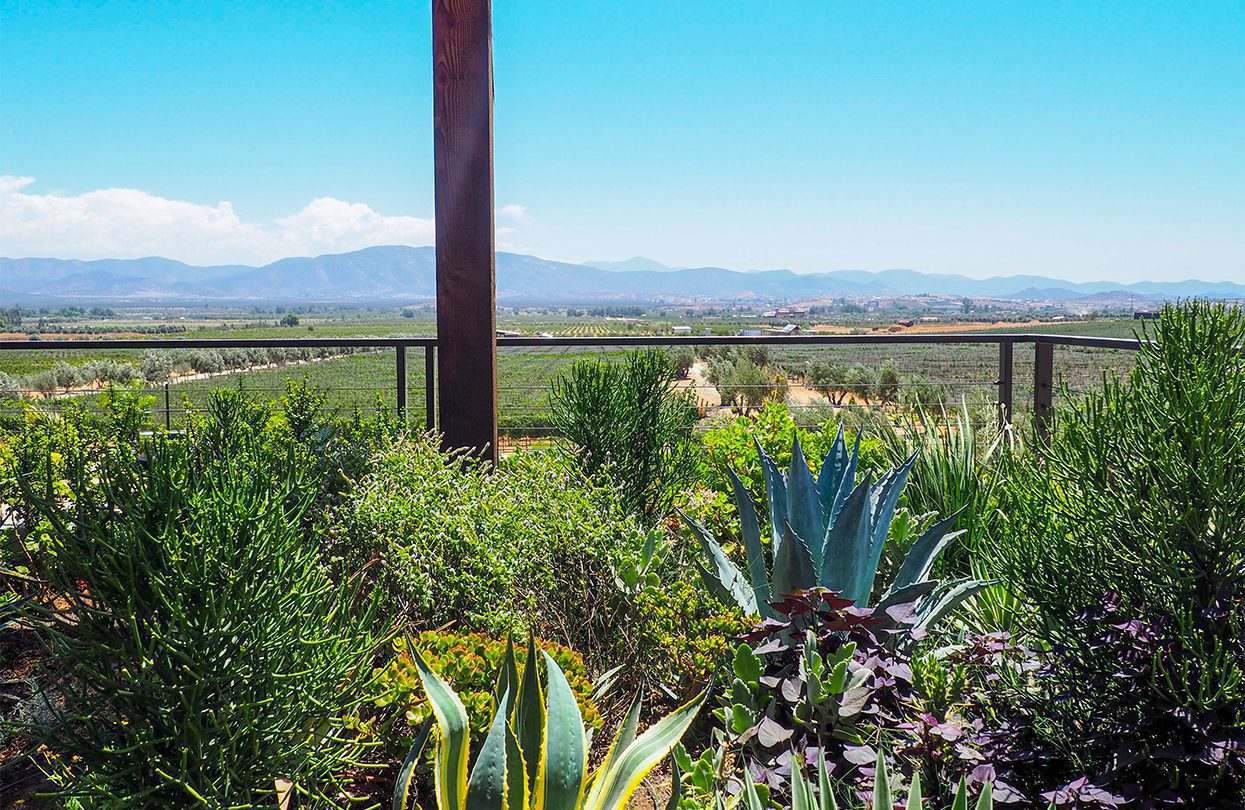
789, 329
750, 332
508, 333
1145, 315
903, 323
682, 330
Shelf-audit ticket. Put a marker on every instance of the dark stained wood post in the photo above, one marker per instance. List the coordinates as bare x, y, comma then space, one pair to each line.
462, 52
1043, 387
1006, 365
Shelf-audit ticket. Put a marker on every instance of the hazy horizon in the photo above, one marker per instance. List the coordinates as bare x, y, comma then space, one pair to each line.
1076, 142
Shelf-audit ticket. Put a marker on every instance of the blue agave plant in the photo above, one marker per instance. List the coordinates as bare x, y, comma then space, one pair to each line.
829, 533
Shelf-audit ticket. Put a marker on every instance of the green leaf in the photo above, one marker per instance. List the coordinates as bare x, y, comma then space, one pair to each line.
486, 790
847, 546
750, 531
947, 598
924, 552
986, 800
724, 580
882, 786
565, 757
614, 785
406, 774
961, 796
529, 715
803, 504
747, 665
752, 799
453, 736
793, 565
776, 494
914, 792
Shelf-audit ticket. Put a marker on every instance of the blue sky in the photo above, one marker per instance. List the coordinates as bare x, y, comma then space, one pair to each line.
1079, 140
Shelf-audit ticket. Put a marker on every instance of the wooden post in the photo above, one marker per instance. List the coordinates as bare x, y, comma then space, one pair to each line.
463, 161
400, 370
1006, 364
430, 387
1043, 387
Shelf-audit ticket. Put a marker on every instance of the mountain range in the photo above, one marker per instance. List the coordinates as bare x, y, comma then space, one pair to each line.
400, 274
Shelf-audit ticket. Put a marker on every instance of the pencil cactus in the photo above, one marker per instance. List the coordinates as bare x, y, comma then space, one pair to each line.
828, 532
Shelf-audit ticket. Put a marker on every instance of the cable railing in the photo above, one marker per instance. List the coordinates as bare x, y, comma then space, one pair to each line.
1014, 372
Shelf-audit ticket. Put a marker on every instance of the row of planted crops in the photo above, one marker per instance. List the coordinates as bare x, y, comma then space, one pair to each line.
289, 606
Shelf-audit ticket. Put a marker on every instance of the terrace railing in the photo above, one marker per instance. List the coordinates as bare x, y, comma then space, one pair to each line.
1010, 364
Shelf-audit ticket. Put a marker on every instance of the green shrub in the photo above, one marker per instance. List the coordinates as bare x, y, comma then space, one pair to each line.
200, 648
1141, 494
625, 420
529, 545
469, 662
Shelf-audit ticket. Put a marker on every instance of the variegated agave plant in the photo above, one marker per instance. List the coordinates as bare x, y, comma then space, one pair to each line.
535, 756
829, 533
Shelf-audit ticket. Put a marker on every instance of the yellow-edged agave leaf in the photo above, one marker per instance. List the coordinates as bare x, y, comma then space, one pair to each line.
406, 774
453, 736
882, 786
529, 717
624, 737
518, 795
486, 789
565, 761
613, 787
914, 792
507, 680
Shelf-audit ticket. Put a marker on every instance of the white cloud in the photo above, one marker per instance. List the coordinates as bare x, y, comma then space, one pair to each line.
514, 211
129, 223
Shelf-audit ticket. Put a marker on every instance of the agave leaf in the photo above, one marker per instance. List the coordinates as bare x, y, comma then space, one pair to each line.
560, 785
752, 799
846, 484
750, 530
450, 762
614, 785
914, 792
908, 593
723, 579
625, 736
507, 681
776, 493
402, 797
529, 715
801, 790
947, 598
882, 786
518, 795
887, 495
793, 565
830, 476
486, 790
825, 791
847, 546
986, 800
803, 503
916, 566
961, 795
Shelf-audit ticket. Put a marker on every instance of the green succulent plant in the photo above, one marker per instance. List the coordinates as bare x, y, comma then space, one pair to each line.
535, 756
829, 533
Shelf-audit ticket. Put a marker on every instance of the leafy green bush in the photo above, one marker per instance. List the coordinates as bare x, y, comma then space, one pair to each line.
530, 544
200, 648
625, 420
1141, 494
469, 662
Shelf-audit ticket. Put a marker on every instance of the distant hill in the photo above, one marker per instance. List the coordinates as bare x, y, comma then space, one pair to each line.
398, 273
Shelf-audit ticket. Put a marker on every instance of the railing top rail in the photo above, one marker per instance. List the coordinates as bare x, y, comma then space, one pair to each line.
218, 343
931, 339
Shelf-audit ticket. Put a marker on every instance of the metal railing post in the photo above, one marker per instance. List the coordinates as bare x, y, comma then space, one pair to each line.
1043, 387
168, 419
400, 349
1006, 365
430, 387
